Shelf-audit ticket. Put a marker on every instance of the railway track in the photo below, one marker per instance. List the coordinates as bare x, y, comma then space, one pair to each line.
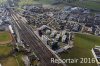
35, 44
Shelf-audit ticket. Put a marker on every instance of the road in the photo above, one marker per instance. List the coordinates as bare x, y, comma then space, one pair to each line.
35, 44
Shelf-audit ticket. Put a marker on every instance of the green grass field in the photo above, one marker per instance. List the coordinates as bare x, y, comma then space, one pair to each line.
46, 1
94, 5
10, 61
91, 4
30, 2
2, 1
5, 36
19, 58
5, 50
5, 54
82, 48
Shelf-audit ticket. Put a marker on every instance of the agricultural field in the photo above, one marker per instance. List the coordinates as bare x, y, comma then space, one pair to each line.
5, 50
19, 58
2, 1
25, 2
5, 37
82, 49
22, 3
30, 2
46, 1
6, 56
91, 4
10, 61
7, 59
